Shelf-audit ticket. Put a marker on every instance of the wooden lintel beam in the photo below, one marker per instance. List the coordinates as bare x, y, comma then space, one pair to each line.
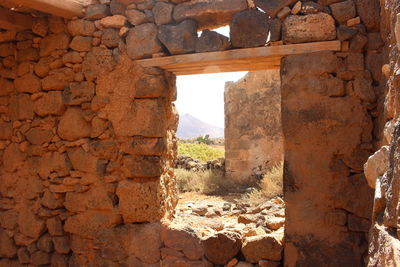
249, 59
14, 21
268, 51
61, 8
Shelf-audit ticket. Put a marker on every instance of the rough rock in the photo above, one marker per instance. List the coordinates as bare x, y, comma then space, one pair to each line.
376, 165
28, 83
208, 13
308, 28
110, 38
146, 198
116, 21
117, 8
344, 33
267, 247
81, 43
249, 29
81, 27
78, 93
211, 41
29, 224
72, 57
87, 224
272, 7
136, 17
182, 239
97, 11
221, 247
54, 42
142, 41
179, 39
7, 246
163, 13
343, 11
98, 61
58, 79
73, 126
50, 103
368, 10
152, 86
37, 136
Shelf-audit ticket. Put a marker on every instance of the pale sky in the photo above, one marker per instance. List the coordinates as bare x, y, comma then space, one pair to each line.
203, 95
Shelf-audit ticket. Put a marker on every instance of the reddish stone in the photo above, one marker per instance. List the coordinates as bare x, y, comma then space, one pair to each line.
38, 136
81, 27
7, 246
73, 126
221, 247
50, 103
50, 43
6, 87
142, 41
6, 130
61, 244
29, 224
54, 226
58, 79
21, 107
179, 39
45, 243
81, 43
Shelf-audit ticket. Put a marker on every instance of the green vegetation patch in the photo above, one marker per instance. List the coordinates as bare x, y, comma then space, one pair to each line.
201, 152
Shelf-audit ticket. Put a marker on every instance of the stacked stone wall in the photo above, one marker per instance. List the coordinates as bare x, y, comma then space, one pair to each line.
87, 136
87, 143
253, 133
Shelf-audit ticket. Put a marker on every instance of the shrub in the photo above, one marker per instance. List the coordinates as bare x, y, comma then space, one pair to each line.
271, 185
201, 152
206, 182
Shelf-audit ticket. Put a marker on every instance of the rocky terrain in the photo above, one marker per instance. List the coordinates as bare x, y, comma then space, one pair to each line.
190, 164
228, 232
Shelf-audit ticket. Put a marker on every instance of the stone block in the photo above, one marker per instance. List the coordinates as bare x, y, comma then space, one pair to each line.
249, 29
221, 247
343, 11
78, 93
142, 166
369, 12
376, 165
110, 38
272, 7
50, 103
28, 83
211, 41
308, 28
163, 13
97, 11
179, 39
81, 27
81, 43
266, 247
50, 43
142, 41
38, 136
209, 14
73, 126
141, 201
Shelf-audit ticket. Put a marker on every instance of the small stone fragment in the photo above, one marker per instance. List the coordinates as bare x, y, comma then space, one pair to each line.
116, 21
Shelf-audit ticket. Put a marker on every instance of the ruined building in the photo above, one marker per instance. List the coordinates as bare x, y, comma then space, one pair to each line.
253, 132
87, 127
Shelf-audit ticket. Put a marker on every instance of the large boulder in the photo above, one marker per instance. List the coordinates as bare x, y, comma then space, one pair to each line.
264, 247
142, 41
308, 28
179, 39
221, 247
208, 13
249, 29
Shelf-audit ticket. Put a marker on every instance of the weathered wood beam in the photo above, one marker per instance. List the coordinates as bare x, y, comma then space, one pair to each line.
61, 8
249, 59
10, 20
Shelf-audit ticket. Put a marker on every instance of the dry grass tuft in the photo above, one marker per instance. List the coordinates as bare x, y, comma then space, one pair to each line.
206, 182
270, 186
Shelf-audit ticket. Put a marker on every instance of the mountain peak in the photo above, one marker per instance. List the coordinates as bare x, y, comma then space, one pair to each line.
192, 127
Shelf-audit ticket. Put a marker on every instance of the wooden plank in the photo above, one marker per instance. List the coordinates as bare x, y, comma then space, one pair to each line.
14, 21
248, 61
218, 69
279, 50
61, 8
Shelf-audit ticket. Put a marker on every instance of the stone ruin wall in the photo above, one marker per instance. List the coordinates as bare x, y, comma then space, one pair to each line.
253, 133
87, 143
382, 168
87, 136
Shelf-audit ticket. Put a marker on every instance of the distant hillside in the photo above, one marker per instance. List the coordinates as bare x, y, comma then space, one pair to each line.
191, 127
